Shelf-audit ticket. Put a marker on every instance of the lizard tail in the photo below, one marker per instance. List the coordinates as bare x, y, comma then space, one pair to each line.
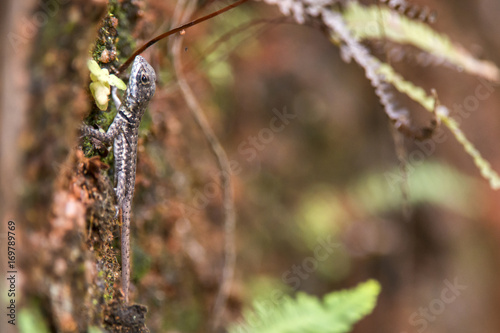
126, 248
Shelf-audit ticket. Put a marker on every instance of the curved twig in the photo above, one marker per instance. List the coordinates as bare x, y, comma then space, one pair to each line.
173, 31
225, 177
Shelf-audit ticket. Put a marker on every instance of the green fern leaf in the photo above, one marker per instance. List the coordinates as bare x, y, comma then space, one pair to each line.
337, 313
420, 96
375, 22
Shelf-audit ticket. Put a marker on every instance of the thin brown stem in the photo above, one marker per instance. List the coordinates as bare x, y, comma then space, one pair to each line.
268, 24
175, 30
225, 178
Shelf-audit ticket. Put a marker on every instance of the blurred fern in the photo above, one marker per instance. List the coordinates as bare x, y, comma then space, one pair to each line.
419, 95
355, 23
30, 320
398, 28
337, 313
379, 22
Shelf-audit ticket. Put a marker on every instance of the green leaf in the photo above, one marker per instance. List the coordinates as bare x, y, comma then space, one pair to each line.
336, 314
115, 81
94, 67
100, 91
30, 320
101, 82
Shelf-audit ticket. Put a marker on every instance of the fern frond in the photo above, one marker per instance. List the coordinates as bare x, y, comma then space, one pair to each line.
337, 313
484, 166
412, 11
380, 73
416, 93
375, 22
358, 22
419, 95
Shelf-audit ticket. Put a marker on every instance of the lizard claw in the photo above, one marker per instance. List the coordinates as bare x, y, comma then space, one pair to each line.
117, 208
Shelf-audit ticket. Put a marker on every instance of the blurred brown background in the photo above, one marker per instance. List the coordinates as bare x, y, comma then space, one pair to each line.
325, 176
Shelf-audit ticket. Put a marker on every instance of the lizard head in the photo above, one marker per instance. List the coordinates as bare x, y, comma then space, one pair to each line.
141, 86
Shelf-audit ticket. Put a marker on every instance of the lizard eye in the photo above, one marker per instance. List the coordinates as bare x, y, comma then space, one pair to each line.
144, 79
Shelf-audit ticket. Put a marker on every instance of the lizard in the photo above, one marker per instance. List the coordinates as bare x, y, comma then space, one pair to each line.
123, 133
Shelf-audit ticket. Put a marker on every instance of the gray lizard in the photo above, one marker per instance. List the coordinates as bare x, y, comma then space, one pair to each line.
124, 132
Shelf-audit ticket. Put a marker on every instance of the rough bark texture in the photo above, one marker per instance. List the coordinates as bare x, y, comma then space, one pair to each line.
68, 265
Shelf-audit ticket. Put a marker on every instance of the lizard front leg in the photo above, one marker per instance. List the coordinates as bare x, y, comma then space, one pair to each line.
116, 100
106, 138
